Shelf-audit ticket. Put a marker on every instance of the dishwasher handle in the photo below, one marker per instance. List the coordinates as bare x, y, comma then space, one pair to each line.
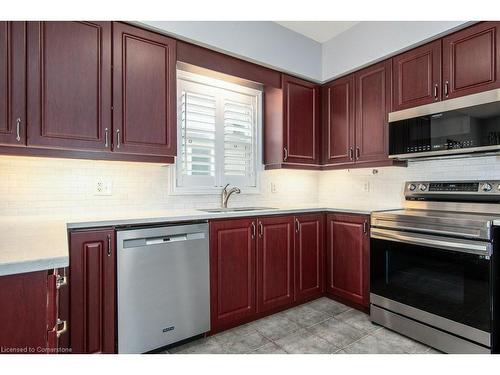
159, 240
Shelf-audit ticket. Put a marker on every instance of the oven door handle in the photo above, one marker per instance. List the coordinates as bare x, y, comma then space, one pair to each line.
452, 244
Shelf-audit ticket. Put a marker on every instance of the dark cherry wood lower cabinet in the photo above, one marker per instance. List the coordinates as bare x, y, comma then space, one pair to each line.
309, 256
29, 313
232, 272
93, 291
275, 263
348, 260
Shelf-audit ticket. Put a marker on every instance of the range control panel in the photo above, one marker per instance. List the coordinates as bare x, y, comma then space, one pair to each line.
453, 190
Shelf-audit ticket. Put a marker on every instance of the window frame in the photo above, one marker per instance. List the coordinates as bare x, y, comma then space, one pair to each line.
220, 179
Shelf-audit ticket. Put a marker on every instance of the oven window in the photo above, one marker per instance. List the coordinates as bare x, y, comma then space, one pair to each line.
445, 283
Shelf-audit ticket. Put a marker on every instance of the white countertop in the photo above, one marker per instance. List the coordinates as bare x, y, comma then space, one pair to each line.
36, 243
496, 222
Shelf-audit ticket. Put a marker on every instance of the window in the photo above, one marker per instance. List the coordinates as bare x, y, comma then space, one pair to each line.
218, 135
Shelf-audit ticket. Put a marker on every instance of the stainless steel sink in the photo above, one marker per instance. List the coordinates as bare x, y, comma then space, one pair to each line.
235, 209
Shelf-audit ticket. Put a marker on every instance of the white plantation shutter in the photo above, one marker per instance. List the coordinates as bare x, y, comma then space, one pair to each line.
218, 135
239, 138
197, 151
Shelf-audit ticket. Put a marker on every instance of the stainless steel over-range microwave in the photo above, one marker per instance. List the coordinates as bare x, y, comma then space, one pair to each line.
465, 125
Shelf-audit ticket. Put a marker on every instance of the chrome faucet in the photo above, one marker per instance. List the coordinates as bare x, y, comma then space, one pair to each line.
227, 193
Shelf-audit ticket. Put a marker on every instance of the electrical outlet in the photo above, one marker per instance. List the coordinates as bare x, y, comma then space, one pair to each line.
273, 188
366, 187
103, 186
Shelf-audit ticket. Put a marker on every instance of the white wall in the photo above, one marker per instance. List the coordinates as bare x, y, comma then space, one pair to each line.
370, 41
45, 186
262, 42
347, 187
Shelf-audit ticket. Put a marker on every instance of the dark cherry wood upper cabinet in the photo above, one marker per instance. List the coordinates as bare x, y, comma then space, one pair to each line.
12, 83
309, 256
275, 267
471, 60
301, 121
232, 272
417, 76
348, 260
69, 85
373, 103
338, 121
144, 95
93, 291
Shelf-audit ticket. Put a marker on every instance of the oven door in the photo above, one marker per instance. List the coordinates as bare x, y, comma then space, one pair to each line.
441, 281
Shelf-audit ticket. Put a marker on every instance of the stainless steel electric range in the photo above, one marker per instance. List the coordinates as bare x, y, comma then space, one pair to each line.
433, 266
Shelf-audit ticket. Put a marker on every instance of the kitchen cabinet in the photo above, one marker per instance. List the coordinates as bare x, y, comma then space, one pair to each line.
356, 111
348, 260
144, 92
12, 83
275, 265
292, 124
232, 272
373, 104
93, 291
417, 76
69, 85
309, 256
29, 315
338, 121
471, 60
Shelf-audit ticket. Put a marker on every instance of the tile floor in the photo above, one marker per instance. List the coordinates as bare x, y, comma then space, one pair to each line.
322, 326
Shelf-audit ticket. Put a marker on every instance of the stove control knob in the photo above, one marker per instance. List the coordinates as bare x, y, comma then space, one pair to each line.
487, 187
422, 187
412, 187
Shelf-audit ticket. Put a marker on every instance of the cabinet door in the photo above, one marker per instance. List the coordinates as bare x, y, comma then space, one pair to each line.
93, 291
471, 60
373, 93
348, 258
144, 95
301, 121
275, 267
417, 76
309, 256
338, 121
69, 85
23, 312
12, 83
232, 272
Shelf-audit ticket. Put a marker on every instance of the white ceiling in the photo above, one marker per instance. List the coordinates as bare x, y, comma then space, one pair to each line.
320, 31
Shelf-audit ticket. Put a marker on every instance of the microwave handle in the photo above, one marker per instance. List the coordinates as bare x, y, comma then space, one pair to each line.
445, 243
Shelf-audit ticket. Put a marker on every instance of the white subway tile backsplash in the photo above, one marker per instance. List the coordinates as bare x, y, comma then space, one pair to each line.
41, 186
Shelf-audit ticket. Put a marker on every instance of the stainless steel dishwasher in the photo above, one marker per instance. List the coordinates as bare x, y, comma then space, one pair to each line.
163, 286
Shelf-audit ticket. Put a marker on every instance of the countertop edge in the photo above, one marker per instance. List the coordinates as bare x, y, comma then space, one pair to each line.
205, 216
33, 265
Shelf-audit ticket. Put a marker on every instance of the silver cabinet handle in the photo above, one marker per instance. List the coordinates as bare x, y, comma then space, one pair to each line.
61, 281
365, 227
253, 230
18, 129
286, 153
446, 88
63, 330
436, 88
297, 225
261, 229
106, 137
117, 138
351, 153
358, 152
109, 245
